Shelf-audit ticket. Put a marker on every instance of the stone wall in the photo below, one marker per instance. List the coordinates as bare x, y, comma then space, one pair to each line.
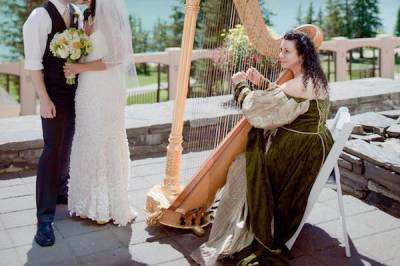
21, 158
370, 162
148, 126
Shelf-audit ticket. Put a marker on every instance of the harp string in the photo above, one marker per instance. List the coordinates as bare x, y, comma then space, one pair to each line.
213, 87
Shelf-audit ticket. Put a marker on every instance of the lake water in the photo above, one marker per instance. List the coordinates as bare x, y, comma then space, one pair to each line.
286, 11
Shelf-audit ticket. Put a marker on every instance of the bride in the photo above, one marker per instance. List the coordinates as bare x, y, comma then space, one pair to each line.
100, 164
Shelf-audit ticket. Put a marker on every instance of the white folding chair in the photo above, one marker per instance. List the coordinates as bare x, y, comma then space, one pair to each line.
340, 128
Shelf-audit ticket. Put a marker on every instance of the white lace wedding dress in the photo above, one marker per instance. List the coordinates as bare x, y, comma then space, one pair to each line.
100, 164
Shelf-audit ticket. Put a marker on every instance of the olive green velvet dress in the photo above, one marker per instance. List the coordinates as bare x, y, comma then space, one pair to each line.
286, 148
279, 180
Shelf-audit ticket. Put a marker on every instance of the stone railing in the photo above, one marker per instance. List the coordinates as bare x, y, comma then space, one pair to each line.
171, 56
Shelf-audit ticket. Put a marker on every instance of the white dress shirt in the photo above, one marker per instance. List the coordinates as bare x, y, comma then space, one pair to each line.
35, 31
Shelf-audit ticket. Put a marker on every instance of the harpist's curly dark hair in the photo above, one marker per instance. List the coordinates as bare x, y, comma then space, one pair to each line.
311, 63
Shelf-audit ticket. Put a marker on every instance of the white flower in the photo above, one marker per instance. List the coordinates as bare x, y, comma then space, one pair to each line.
76, 54
62, 52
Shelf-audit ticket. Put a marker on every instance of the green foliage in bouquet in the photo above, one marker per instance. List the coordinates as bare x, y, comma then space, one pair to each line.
238, 53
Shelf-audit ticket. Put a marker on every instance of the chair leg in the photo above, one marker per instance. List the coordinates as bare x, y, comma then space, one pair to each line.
341, 209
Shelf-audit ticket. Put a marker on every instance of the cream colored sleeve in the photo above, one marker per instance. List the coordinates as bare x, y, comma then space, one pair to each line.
270, 109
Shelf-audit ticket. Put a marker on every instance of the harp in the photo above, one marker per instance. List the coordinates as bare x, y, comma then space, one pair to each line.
168, 204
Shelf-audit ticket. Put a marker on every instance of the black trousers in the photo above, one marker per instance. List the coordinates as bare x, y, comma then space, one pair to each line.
53, 167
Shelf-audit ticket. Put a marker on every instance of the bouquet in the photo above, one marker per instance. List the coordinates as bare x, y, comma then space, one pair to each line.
71, 45
237, 52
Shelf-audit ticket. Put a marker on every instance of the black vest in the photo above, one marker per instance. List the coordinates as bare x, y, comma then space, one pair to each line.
53, 71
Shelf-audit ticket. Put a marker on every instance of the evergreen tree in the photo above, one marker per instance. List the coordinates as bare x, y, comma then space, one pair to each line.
366, 22
334, 21
320, 18
348, 19
16, 11
160, 36
309, 18
140, 41
176, 27
397, 27
267, 14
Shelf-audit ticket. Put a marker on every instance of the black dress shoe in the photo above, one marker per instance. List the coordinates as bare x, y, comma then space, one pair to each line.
45, 235
62, 199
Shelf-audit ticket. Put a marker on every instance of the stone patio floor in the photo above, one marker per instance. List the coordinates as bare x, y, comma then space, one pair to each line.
374, 235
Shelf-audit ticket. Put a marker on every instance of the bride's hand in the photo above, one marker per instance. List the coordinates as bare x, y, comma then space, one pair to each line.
254, 76
72, 69
238, 77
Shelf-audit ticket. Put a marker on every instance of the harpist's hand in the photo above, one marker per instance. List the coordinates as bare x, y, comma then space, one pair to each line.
254, 76
238, 77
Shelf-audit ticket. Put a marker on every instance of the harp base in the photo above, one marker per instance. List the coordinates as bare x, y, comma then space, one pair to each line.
159, 198
172, 218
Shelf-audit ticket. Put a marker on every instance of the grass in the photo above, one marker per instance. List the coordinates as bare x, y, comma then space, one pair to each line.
150, 97
13, 85
358, 70
151, 78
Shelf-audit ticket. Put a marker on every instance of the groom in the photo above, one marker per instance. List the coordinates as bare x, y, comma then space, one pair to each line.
56, 108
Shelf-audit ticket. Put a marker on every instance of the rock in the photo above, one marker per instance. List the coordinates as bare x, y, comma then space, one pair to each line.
393, 114
357, 163
393, 131
358, 130
372, 120
345, 164
369, 137
386, 178
389, 159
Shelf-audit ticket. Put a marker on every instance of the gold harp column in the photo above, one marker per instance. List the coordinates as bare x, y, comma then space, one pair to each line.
162, 196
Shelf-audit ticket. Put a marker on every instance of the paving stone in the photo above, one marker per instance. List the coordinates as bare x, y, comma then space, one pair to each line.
138, 198
17, 204
337, 256
306, 260
185, 261
352, 205
137, 233
28, 180
379, 221
355, 228
9, 257
383, 246
142, 214
189, 242
62, 213
161, 252
59, 254
20, 218
76, 227
321, 213
10, 182
14, 191
393, 262
120, 256
24, 235
5, 240
326, 195
298, 251
139, 183
94, 242
312, 238
148, 161
373, 233
1, 225
145, 170
31, 188
155, 179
